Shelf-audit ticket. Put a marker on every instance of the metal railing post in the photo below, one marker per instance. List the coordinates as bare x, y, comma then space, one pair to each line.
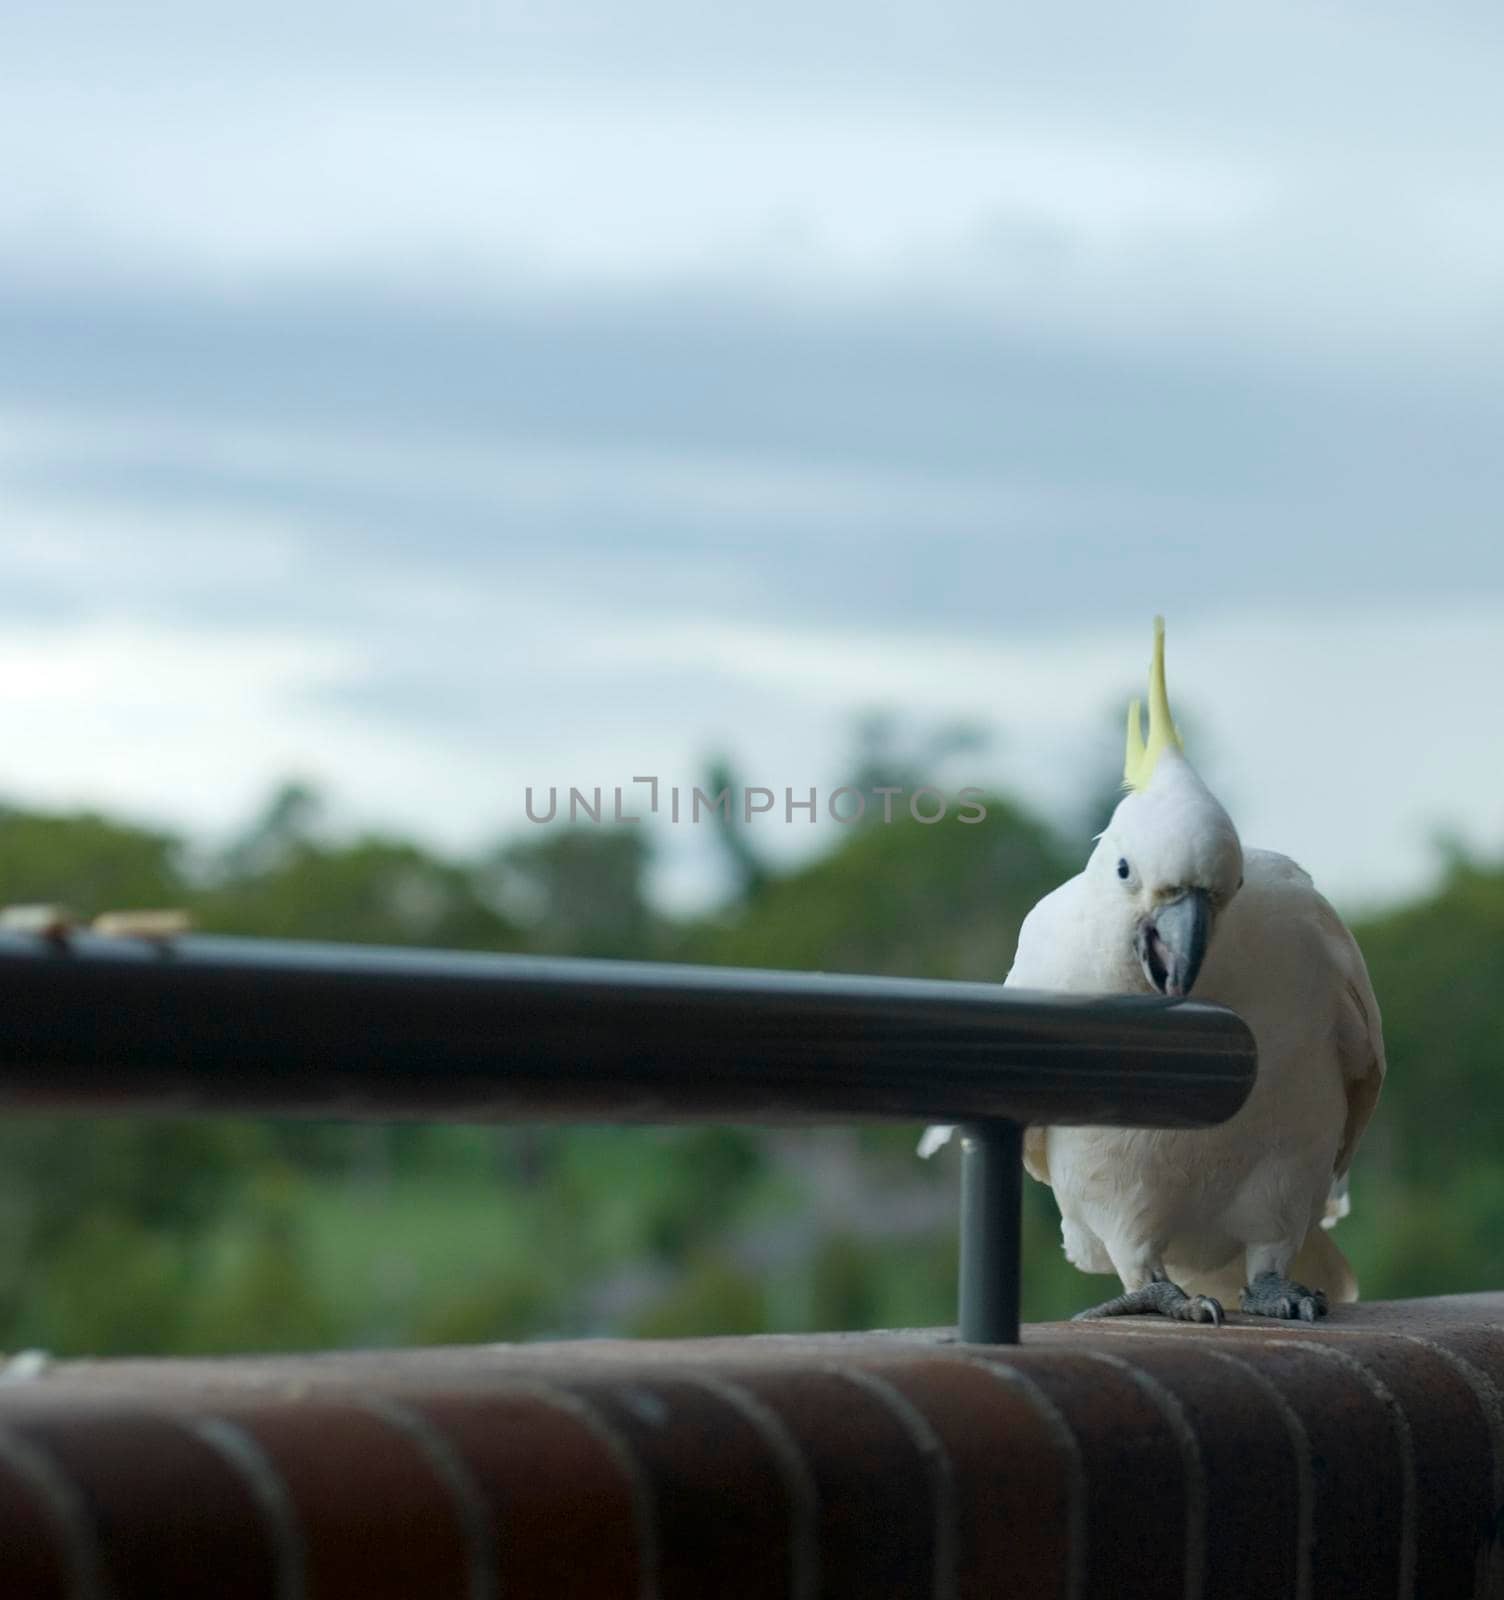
991, 1217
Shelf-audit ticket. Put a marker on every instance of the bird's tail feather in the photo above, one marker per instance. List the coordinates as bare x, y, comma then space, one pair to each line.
1323, 1266
1318, 1264
935, 1138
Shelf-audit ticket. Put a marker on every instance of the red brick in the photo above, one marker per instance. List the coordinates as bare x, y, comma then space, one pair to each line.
1135, 1476
874, 1511
564, 1520
169, 1516
1014, 1474
722, 1511
378, 1522
33, 1542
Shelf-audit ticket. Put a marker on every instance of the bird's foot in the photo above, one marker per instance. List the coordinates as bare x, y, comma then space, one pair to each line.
1270, 1295
1159, 1297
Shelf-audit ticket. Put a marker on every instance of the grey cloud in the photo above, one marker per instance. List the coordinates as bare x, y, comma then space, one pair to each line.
1278, 58
1069, 484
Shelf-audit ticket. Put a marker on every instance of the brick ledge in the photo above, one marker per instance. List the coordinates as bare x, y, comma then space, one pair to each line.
1362, 1456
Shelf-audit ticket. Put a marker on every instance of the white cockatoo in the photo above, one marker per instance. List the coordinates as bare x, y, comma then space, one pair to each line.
1171, 903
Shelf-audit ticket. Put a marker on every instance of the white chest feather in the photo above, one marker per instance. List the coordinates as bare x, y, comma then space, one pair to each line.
1197, 1198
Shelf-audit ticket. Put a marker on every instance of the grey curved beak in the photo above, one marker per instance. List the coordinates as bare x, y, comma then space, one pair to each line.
1172, 943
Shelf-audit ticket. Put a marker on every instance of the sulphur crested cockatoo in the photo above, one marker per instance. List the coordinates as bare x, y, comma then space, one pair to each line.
1170, 902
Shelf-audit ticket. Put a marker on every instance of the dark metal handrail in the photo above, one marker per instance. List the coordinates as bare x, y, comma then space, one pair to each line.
214, 1025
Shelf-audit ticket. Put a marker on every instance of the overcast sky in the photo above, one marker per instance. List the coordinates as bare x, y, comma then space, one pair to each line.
433, 401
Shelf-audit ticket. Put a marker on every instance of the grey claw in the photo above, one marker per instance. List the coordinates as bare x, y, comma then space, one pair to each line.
1158, 1297
1271, 1296
1200, 1308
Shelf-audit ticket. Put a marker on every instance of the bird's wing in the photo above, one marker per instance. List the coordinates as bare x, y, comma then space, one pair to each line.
1047, 956
1360, 1046
1338, 1203
1043, 960
935, 1138
1038, 963
1359, 1040
1359, 1030
1037, 1153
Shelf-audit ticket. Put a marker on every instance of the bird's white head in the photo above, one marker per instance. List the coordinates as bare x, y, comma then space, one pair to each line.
1170, 860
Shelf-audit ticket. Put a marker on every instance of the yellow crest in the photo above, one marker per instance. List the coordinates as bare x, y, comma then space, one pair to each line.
1139, 763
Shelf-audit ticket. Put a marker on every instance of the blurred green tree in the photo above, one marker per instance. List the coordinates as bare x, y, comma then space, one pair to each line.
141, 1235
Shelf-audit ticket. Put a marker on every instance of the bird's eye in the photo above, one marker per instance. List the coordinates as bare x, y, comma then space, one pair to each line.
1123, 868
